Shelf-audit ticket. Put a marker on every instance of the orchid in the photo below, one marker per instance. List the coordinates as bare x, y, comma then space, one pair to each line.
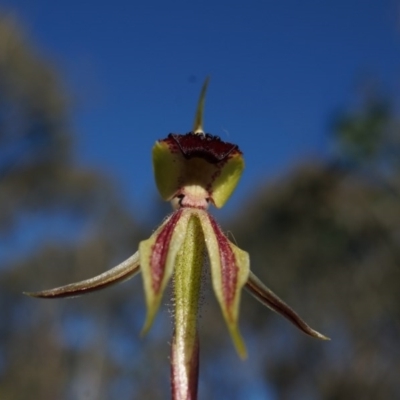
191, 171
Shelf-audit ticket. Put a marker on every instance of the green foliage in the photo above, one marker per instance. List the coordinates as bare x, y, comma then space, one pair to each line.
362, 135
42, 354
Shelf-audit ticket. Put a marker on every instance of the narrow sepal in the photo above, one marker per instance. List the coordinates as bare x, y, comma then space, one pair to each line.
273, 302
197, 159
187, 285
198, 119
230, 268
124, 271
157, 260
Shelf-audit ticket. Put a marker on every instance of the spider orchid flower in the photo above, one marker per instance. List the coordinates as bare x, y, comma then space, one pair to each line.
191, 171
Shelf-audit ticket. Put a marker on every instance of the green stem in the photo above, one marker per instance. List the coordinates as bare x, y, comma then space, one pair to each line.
185, 343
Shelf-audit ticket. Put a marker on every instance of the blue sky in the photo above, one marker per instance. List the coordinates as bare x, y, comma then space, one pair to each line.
279, 69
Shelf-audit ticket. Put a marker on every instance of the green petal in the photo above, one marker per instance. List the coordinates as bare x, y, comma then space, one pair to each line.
230, 268
167, 167
157, 260
225, 183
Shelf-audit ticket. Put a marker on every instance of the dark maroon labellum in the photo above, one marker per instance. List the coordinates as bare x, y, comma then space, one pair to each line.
206, 146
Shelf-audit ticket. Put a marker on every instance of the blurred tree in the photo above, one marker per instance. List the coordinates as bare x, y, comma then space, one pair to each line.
34, 139
362, 136
326, 238
63, 349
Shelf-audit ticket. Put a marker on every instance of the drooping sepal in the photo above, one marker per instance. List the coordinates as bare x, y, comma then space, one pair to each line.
273, 302
157, 260
122, 272
230, 268
187, 285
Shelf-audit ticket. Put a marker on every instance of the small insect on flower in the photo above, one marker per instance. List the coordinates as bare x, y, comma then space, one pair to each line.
191, 171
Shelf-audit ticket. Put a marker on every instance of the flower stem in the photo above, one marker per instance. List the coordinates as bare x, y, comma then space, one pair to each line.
185, 342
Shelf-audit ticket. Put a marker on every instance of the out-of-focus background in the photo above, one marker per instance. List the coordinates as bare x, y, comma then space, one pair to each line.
310, 92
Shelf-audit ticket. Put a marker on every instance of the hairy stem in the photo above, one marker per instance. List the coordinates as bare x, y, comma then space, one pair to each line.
185, 342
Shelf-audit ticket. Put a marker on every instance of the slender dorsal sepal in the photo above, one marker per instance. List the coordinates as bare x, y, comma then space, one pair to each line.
197, 161
198, 119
